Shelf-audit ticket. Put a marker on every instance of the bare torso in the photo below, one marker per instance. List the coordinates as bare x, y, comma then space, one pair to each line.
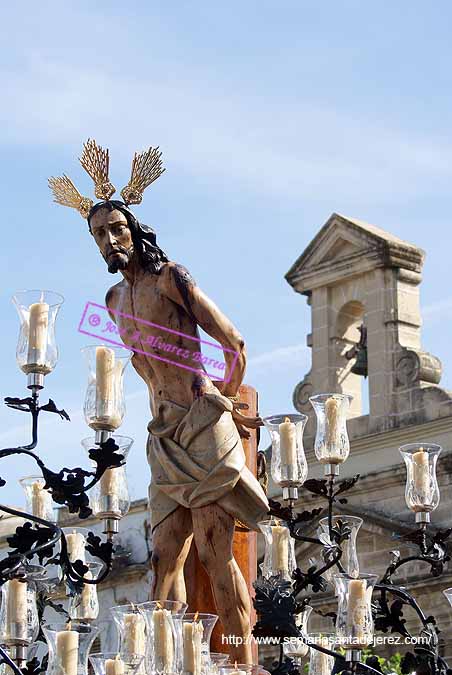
148, 298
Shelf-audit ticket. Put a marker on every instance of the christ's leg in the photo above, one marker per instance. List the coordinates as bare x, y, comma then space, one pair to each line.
171, 542
213, 530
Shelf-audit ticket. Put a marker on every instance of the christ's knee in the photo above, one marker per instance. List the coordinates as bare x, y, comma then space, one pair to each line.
165, 563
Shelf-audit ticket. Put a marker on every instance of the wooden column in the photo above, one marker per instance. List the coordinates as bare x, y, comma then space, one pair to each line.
199, 592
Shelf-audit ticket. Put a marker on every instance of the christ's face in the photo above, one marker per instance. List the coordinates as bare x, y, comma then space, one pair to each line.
113, 237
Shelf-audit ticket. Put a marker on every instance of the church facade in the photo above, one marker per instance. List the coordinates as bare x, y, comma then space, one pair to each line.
361, 281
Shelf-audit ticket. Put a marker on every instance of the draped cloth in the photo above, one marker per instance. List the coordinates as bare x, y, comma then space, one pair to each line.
197, 458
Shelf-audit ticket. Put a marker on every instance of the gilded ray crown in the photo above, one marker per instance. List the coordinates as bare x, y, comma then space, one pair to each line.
146, 168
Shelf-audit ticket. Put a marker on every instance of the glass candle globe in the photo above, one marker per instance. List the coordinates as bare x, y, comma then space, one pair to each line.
297, 648
195, 632
104, 407
349, 558
448, 594
319, 662
162, 636
332, 445
279, 555
69, 645
109, 498
112, 663
288, 466
422, 491
19, 623
84, 606
38, 501
131, 626
354, 623
37, 352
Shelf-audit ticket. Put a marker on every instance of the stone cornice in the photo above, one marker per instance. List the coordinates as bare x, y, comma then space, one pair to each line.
375, 248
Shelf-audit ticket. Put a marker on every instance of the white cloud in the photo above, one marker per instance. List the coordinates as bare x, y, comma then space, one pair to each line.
280, 148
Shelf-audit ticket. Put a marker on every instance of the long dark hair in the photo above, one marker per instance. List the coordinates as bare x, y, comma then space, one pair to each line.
144, 239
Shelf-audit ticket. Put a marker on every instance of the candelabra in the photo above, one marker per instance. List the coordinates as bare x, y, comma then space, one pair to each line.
83, 559
364, 604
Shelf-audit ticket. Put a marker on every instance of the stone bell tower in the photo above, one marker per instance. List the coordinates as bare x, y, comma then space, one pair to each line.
355, 274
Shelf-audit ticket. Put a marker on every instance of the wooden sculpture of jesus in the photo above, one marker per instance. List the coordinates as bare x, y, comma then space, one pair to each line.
199, 480
200, 483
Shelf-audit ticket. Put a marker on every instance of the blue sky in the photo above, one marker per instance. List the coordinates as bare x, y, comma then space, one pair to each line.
270, 115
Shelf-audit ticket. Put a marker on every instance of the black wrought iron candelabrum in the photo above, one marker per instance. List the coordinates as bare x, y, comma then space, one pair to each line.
40, 546
365, 604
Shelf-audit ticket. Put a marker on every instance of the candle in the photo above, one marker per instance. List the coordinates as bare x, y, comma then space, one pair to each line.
320, 663
115, 666
38, 323
41, 501
357, 611
280, 548
333, 437
109, 490
16, 610
89, 606
134, 634
105, 381
288, 445
67, 650
236, 671
76, 546
192, 635
421, 475
163, 639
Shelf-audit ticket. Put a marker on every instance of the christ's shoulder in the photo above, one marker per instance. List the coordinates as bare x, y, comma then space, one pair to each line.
113, 293
173, 273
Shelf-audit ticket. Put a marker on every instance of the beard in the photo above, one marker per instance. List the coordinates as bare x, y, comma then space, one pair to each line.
120, 260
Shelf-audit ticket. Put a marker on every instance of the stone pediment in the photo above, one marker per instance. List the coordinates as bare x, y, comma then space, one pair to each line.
345, 247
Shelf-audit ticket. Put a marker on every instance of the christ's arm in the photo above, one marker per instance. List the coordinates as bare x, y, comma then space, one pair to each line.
181, 288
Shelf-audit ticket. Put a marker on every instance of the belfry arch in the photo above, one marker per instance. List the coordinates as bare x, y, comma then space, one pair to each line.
355, 274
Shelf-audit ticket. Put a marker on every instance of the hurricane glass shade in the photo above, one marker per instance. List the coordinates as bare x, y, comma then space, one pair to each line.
163, 640
421, 491
279, 553
351, 525
354, 623
36, 350
109, 497
104, 406
69, 645
289, 467
332, 445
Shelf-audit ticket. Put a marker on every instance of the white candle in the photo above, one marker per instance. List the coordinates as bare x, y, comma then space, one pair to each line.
134, 634
163, 640
333, 438
109, 490
192, 634
105, 381
280, 548
288, 445
76, 546
89, 605
16, 610
41, 501
38, 323
357, 611
236, 671
115, 666
67, 651
421, 475
320, 663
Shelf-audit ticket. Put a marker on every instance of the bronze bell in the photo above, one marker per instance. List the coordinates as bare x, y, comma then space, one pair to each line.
360, 365
359, 353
